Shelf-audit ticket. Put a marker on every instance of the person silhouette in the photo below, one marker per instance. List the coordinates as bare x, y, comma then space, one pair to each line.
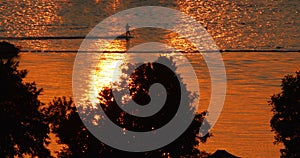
127, 27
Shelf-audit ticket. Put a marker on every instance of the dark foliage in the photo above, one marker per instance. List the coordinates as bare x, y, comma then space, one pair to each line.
286, 120
8, 51
22, 128
81, 143
66, 123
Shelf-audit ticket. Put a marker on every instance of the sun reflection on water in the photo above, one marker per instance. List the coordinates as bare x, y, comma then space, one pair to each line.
107, 72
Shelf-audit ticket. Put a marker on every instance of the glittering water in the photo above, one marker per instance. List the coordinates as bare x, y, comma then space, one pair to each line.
258, 24
243, 128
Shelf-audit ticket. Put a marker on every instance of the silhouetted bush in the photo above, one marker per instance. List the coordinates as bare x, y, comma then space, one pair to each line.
286, 120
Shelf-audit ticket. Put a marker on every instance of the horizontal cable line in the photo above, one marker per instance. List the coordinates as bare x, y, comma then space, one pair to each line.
203, 51
65, 37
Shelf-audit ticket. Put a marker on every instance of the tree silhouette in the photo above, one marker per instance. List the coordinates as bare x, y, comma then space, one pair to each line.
286, 120
81, 143
23, 130
66, 123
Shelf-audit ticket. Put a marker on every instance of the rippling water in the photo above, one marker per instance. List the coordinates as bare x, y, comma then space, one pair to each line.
243, 128
258, 24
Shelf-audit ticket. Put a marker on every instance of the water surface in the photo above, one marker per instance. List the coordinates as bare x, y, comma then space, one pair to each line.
243, 128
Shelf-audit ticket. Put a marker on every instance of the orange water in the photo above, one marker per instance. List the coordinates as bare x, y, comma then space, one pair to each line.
243, 127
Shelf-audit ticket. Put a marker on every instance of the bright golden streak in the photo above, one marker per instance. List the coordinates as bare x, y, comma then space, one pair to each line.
106, 72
